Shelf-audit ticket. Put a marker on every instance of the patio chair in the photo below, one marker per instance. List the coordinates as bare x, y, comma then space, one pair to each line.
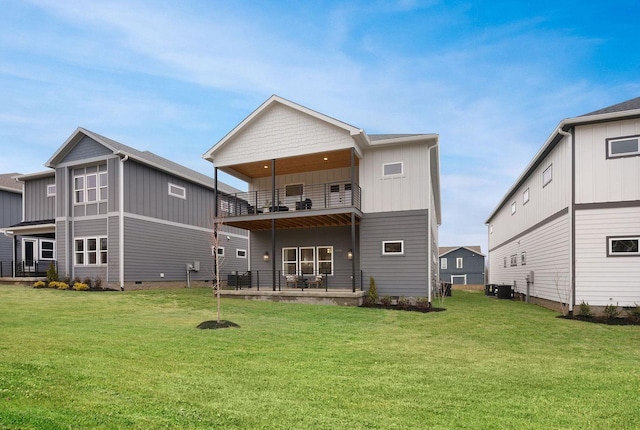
292, 280
317, 281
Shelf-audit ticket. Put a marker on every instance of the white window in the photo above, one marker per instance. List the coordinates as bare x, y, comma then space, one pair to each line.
47, 249
525, 196
325, 260
392, 169
51, 190
443, 263
220, 251
547, 175
177, 191
623, 246
459, 263
289, 261
90, 187
513, 208
393, 247
623, 147
514, 260
308, 260
293, 190
241, 253
90, 251
504, 263
523, 259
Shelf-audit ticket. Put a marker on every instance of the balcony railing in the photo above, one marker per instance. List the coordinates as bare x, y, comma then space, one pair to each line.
262, 280
29, 268
313, 197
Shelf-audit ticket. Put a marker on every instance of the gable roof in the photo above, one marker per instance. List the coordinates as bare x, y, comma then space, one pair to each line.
144, 157
629, 109
443, 250
9, 183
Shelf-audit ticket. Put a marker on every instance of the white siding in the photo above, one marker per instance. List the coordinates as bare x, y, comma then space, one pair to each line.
282, 132
547, 255
543, 201
602, 280
406, 192
599, 179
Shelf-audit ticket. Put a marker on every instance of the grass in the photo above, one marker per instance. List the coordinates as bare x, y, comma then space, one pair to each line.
135, 360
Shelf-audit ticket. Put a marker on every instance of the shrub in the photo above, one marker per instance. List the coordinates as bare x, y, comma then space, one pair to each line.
585, 309
404, 302
372, 295
633, 313
422, 303
80, 286
53, 284
62, 285
65, 279
39, 284
611, 311
385, 300
52, 273
87, 281
97, 283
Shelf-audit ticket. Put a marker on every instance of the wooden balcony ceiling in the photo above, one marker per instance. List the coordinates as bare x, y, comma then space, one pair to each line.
299, 164
263, 222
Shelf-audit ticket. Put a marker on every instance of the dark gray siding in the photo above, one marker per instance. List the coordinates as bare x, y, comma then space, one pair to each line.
63, 247
152, 248
147, 194
396, 275
86, 149
10, 214
472, 266
37, 205
338, 237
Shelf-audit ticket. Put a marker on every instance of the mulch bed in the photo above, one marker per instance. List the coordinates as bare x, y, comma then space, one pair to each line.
405, 308
213, 324
602, 320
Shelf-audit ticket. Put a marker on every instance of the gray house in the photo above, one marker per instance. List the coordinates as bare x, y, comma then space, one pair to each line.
462, 265
10, 214
131, 218
330, 204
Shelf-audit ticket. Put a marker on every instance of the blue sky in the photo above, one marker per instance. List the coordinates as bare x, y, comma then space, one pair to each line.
492, 78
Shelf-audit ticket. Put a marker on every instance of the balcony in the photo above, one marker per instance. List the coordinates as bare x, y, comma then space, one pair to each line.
308, 206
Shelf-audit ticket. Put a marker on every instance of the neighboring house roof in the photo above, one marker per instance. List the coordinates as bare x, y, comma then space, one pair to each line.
145, 157
443, 250
9, 183
626, 110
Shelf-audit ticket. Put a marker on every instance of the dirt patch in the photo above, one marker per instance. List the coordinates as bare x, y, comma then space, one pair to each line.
211, 325
603, 320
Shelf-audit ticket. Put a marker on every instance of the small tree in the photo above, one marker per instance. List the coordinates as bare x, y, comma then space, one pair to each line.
372, 294
217, 260
52, 273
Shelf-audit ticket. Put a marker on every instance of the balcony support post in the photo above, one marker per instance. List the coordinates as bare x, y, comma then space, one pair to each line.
273, 223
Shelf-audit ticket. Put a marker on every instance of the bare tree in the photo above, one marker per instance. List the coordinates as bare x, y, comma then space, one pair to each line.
216, 240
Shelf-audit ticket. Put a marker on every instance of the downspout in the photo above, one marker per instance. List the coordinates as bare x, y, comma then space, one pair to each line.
572, 218
123, 159
353, 226
273, 223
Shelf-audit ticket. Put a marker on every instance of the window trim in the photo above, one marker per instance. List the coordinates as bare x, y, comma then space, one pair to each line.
611, 140
523, 258
610, 252
318, 260
220, 251
385, 242
182, 196
514, 260
393, 175
84, 191
525, 196
240, 251
101, 254
459, 263
549, 169
49, 188
53, 249
513, 208
293, 186
443, 263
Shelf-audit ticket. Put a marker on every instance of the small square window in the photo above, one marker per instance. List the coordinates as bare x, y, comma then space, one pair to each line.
623, 246
220, 251
51, 190
547, 175
623, 147
241, 253
393, 247
392, 169
177, 191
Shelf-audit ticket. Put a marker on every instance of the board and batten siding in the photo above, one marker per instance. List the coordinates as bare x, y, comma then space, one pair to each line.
398, 193
279, 132
10, 214
599, 179
147, 194
396, 275
546, 251
602, 280
37, 206
544, 201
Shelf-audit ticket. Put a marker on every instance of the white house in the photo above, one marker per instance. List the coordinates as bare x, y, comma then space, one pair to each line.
568, 229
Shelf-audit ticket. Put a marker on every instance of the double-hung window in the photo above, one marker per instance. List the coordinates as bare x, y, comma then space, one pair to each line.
459, 263
90, 251
307, 260
90, 187
443, 263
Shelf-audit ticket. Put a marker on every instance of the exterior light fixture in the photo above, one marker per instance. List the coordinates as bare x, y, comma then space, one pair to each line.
350, 255
326, 158
265, 257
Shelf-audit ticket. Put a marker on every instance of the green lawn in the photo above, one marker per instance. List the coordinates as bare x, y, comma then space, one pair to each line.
135, 360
